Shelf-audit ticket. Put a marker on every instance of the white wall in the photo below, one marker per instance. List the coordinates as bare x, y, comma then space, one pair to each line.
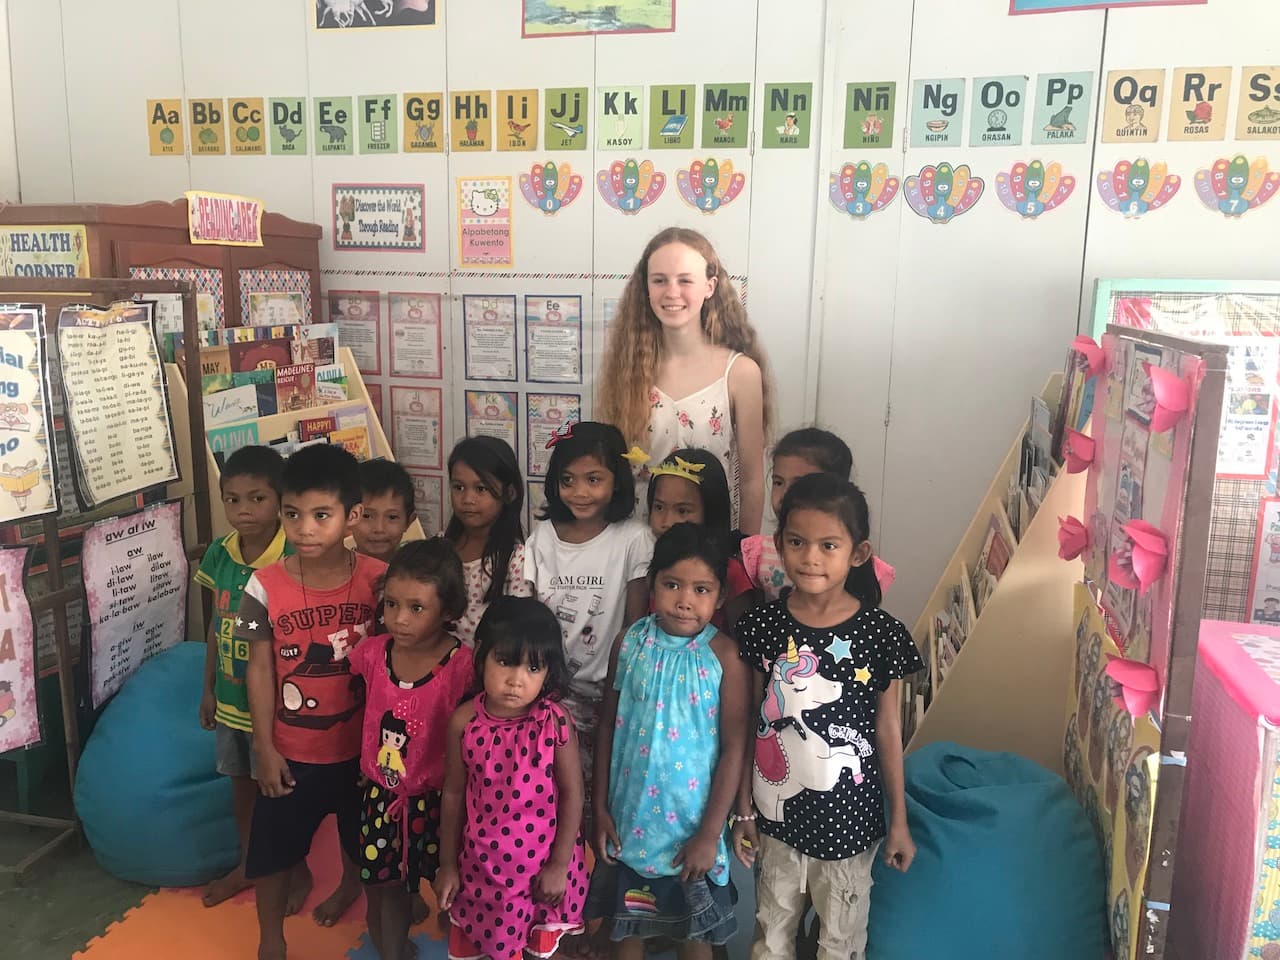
919, 343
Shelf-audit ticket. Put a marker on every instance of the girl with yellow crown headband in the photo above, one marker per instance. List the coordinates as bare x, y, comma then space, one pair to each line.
689, 486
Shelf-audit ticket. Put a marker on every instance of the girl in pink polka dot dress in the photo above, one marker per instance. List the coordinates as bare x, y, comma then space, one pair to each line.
513, 873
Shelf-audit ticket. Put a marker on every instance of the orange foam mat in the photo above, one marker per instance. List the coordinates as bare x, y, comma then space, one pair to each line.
175, 920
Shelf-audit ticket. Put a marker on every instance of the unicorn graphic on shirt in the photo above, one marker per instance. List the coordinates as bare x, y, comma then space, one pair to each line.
790, 755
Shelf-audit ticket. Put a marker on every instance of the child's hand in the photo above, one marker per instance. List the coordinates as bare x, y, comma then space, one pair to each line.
746, 842
275, 779
606, 836
698, 857
899, 848
550, 883
208, 707
446, 886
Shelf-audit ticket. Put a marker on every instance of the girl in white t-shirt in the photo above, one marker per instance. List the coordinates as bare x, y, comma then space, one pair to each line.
587, 560
487, 497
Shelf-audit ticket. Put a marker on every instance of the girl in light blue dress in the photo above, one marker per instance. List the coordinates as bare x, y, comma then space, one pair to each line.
669, 754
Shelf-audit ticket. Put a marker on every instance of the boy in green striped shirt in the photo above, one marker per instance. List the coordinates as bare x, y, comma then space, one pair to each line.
251, 498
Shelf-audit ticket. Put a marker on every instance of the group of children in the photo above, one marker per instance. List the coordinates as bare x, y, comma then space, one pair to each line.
472, 706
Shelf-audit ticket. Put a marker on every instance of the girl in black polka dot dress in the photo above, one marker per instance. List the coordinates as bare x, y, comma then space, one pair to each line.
512, 870
828, 746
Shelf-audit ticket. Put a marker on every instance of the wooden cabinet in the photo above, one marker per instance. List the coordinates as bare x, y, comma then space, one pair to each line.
150, 241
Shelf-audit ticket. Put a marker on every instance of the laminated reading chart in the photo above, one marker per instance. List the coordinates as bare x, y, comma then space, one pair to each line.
135, 581
27, 487
117, 406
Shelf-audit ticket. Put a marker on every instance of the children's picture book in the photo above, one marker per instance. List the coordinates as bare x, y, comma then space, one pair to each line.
1041, 433
940, 645
315, 343
215, 361
356, 416
355, 440
1075, 404
257, 354
215, 382
224, 441
993, 558
295, 387
314, 427
246, 377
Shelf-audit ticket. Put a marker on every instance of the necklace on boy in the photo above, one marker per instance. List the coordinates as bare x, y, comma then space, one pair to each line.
306, 602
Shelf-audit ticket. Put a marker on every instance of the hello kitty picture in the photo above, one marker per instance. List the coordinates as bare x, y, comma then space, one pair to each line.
484, 221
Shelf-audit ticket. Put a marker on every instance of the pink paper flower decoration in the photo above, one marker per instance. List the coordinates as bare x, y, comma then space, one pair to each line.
1077, 451
1150, 553
1093, 354
1173, 398
1139, 684
1073, 538
1120, 568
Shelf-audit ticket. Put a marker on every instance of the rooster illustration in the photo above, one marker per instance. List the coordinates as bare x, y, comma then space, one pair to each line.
724, 123
517, 128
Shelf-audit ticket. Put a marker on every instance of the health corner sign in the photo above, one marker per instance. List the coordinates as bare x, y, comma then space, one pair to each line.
44, 251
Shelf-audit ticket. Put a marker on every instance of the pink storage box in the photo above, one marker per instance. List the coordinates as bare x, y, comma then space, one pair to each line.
1226, 891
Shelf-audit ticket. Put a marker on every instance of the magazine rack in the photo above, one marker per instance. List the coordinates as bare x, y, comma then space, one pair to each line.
278, 426
1005, 689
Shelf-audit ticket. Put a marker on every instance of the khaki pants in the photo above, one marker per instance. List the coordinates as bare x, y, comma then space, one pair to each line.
841, 891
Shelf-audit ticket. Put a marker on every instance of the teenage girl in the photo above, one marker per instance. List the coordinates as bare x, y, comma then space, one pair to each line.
415, 677
587, 560
798, 454
827, 752
668, 760
487, 496
684, 369
513, 873
689, 486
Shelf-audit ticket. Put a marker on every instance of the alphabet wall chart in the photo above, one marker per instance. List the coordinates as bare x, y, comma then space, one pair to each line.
651, 149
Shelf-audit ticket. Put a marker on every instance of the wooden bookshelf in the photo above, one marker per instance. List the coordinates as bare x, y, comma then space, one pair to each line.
269, 428
1005, 689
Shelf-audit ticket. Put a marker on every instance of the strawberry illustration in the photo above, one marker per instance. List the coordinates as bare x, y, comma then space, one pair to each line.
472, 129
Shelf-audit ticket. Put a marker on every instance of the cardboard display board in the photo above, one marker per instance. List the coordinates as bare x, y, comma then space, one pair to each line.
1145, 588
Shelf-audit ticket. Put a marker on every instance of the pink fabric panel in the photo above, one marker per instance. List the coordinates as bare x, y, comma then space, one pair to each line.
1221, 819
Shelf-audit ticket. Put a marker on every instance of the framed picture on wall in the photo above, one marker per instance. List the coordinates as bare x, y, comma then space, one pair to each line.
346, 15
575, 18
1058, 6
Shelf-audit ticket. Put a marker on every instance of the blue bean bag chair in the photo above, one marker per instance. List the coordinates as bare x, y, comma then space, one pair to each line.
1006, 865
154, 809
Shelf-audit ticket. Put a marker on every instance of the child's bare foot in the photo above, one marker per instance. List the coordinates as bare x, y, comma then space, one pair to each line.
419, 910
224, 888
330, 911
299, 889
